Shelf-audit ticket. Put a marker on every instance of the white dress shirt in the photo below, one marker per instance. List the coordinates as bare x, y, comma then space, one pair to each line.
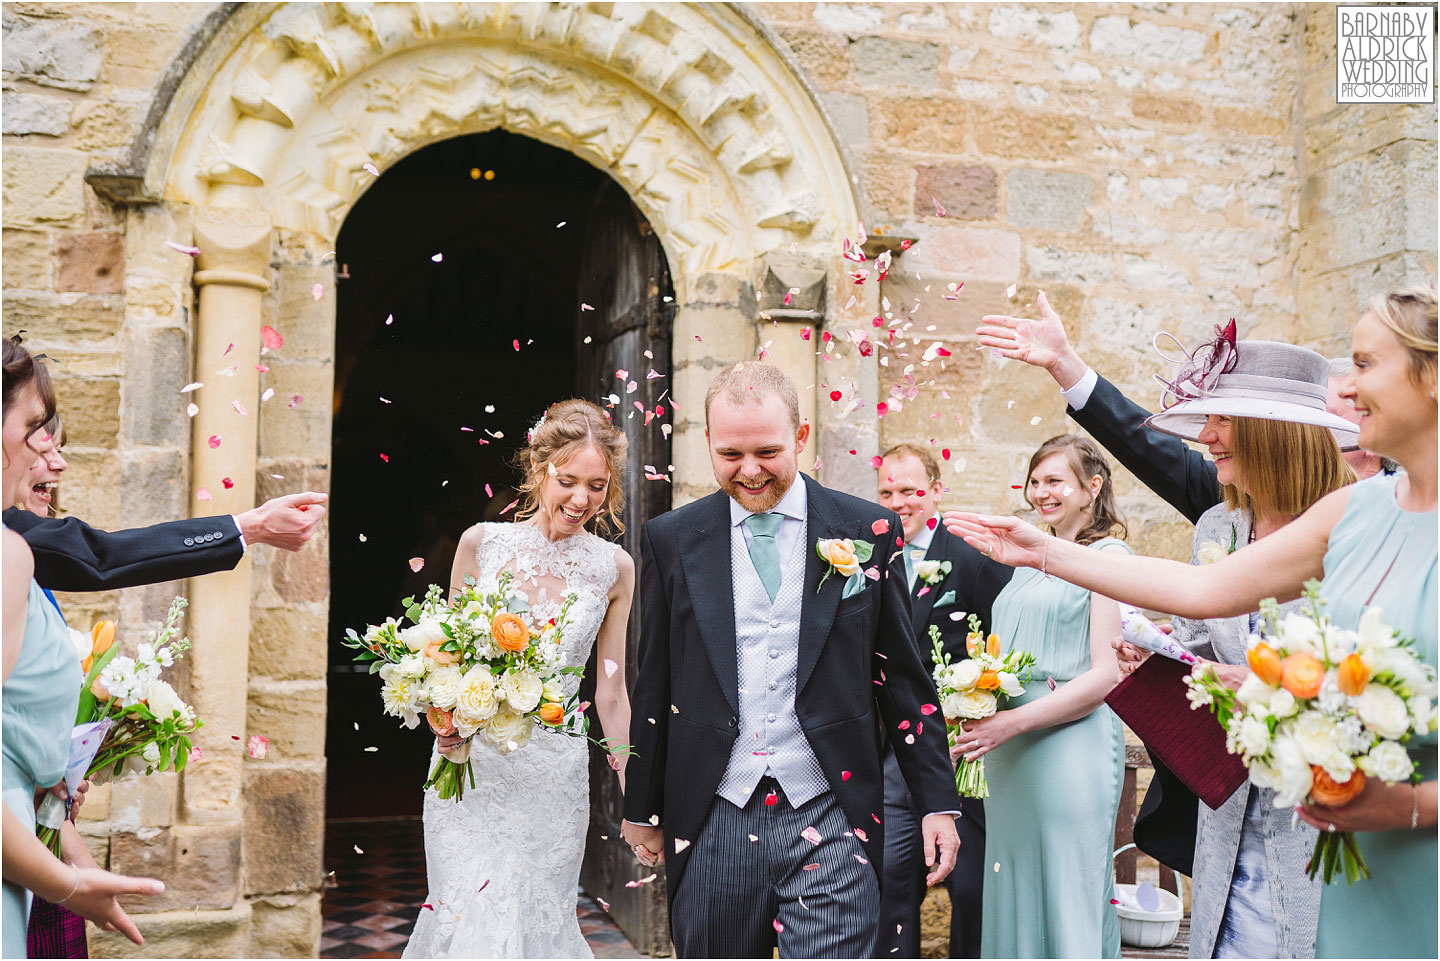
792, 508
1077, 395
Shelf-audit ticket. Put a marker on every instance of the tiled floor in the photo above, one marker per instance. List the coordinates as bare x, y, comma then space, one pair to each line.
376, 884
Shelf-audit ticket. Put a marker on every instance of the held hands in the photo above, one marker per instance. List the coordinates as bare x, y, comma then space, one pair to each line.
647, 842
1008, 540
285, 522
1040, 343
939, 833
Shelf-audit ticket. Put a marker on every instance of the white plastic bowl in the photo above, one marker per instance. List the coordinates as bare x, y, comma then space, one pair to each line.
1149, 929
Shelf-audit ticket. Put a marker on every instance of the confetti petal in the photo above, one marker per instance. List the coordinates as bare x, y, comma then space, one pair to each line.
437, 257
192, 251
214, 441
239, 407
681, 844
811, 835
779, 928
202, 495
269, 392
811, 867
317, 291
227, 483
861, 835
370, 169
928, 709
258, 746
876, 461
880, 526
271, 338
192, 409
296, 400
416, 563
772, 799
845, 775
196, 385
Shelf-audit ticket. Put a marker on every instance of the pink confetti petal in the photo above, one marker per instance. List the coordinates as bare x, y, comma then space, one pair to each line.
779, 928
903, 726
939, 210
861, 835
880, 526
811, 835
928, 709
610, 667
805, 334
271, 338
195, 755
416, 563
214, 441
488, 492
239, 408
258, 746
861, 860
603, 903
876, 461
509, 507
881, 408
845, 775
370, 169
873, 573
202, 495
296, 400
317, 291
811, 867
192, 251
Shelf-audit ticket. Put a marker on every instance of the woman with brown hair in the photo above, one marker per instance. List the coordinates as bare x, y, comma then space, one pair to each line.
1055, 757
503, 862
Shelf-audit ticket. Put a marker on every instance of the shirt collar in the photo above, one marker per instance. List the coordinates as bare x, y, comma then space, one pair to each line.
792, 505
922, 540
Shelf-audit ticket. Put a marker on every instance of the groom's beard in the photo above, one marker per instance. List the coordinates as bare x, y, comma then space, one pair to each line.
759, 504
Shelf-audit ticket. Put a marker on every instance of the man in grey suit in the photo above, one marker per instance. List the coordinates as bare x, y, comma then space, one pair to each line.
765, 676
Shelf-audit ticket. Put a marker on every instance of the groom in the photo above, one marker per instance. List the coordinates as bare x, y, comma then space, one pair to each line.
763, 686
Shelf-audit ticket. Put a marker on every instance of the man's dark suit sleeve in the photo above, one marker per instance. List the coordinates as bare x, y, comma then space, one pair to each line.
70, 555
1184, 477
650, 697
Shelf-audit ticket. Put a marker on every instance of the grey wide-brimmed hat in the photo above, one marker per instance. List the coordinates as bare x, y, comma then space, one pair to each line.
1249, 378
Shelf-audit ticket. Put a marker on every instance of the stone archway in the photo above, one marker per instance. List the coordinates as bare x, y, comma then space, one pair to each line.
274, 121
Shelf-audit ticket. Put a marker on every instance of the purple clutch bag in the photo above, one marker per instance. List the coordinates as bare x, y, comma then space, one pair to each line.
1190, 743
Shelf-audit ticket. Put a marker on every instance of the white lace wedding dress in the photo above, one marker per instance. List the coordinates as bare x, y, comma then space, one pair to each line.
503, 864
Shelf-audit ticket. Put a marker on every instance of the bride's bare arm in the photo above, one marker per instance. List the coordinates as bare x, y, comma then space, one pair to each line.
1275, 566
612, 699
465, 563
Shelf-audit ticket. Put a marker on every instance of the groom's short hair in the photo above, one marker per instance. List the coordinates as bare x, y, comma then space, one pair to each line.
751, 381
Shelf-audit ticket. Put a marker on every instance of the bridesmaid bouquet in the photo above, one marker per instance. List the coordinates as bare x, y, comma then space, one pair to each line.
1321, 710
477, 664
972, 689
127, 713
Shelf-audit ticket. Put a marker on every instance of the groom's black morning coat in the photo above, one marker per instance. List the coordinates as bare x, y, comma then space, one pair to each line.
859, 667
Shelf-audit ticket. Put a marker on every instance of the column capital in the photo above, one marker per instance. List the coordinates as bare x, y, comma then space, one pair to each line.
234, 247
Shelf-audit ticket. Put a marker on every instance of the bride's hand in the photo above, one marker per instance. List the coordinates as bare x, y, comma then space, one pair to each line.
448, 742
1005, 539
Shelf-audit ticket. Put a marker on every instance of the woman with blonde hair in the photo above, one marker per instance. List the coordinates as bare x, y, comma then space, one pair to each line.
503, 862
1374, 543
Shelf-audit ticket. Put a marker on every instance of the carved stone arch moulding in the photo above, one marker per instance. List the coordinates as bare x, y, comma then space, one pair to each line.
692, 108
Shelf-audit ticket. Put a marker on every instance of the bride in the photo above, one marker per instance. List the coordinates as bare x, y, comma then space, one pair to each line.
503, 863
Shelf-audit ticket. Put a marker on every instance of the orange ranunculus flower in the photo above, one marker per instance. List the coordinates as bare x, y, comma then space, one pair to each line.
1352, 675
992, 645
99, 690
973, 644
551, 712
988, 680
1301, 674
1325, 790
440, 721
509, 631
432, 651
1265, 662
102, 635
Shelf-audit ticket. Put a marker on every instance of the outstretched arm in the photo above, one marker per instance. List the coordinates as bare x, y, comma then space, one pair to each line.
1275, 566
612, 700
649, 711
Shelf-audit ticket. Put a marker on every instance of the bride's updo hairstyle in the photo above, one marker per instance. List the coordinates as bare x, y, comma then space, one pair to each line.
567, 428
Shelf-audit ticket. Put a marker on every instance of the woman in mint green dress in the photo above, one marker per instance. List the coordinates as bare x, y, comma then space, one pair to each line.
1374, 543
41, 687
1055, 758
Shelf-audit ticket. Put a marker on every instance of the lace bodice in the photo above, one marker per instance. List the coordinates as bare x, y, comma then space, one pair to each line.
502, 869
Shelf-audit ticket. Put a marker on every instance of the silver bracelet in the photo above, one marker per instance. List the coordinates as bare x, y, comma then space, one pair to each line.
1414, 807
1044, 554
75, 888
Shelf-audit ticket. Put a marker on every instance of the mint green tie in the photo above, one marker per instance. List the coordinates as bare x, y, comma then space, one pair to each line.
909, 565
763, 552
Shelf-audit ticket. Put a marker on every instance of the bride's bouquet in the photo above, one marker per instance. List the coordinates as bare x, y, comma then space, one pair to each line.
476, 664
1321, 710
127, 713
972, 689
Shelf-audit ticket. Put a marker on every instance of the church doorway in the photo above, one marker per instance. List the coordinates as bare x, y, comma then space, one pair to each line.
462, 272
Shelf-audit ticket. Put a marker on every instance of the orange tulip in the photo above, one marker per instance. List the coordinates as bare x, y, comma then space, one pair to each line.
973, 643
99, 690
992, 645
1265, 662
1352, 675
552, 713
988, 680
102, 635
1325, 790
509, 631
1301, 674
440, 721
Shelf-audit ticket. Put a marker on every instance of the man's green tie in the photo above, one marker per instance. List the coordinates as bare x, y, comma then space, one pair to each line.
909, 564
763, 552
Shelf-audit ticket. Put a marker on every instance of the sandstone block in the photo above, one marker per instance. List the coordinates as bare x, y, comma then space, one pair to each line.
288, 643
850, 114
842, 470
1071, 266
1060, 30
290, 713
304, 430
108, 124
1163, 191
27, 261
44, 188
971, 252
966, 191
1032, 392
97, 799
30, 113
726, 335
1023, 134
181, 934
53, 53
1130, 231
1145, 42
286, 926
304, 575
1152, 274
1112, 321
89, 488
152, 483
1048, 199
1166, 109
885, 62
199, 865
847, 18
307, 324
147, 228
94, 408
64, 319
933, 124
92, 262
157, 364
821, 53
143, 801
284, 829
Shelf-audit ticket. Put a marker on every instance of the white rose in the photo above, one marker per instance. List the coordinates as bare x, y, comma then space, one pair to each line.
1211, 552
1282, 703
964, 675
522, 690
1253, 692
442, 687
475, 702
412, 665
950, 705
1010, 685
508, 730
1383, 711
1253, 737
1317, 738
428, 631
973, 705
1292, 772
1263, 775
925, 570
164, 703
840, 553
1388, 761
1298, 633
84, 645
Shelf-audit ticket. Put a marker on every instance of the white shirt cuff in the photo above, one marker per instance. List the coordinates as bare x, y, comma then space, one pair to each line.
1077, 395
236, 521
953, 814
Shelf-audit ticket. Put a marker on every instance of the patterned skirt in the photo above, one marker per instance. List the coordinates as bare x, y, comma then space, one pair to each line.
54, 932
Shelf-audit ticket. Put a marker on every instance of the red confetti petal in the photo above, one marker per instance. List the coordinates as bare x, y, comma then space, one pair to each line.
385, 458
771, 799
214, 441
845, 775
905, 244
515, 344
876, 461
776, 923
836, 395
877, 820
904, 725
932, 523
1014, 487
881, 408
805, 334
227, 482
271, 338
880, 526
942, 351
945, 453
825, 336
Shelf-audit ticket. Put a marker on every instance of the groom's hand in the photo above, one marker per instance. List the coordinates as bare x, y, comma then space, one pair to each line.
939, 833
648, 843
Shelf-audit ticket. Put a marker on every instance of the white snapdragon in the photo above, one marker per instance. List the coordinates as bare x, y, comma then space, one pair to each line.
84, 645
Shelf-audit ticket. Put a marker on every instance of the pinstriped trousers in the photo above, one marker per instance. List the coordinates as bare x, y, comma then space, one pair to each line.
741, 898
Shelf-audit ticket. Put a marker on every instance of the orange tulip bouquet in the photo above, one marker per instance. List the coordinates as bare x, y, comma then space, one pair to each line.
1321, 710
972, 688
474, 665
127, 713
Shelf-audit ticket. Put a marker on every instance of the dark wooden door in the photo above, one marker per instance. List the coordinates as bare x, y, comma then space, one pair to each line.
625, 278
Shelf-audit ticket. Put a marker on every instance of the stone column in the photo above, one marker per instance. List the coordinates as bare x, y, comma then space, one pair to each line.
232, 276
